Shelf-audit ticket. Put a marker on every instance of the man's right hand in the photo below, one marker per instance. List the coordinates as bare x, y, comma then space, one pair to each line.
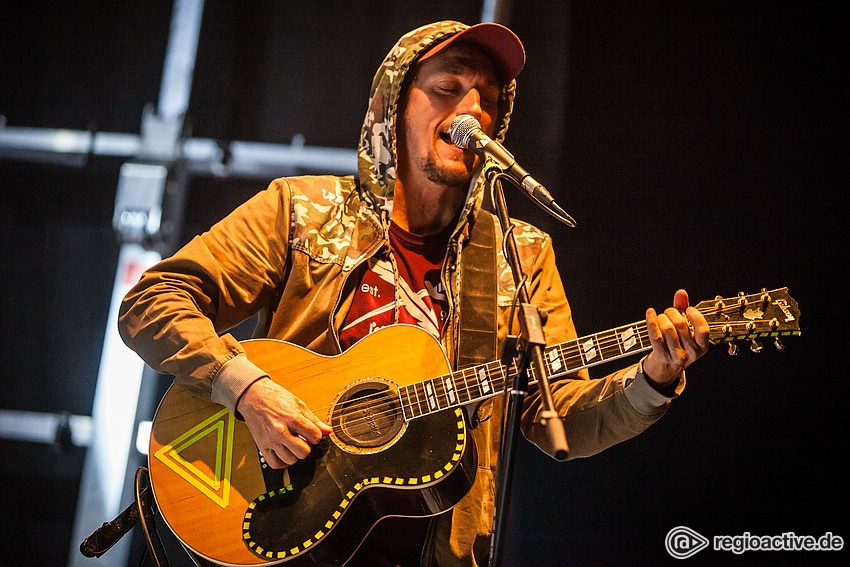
282, 425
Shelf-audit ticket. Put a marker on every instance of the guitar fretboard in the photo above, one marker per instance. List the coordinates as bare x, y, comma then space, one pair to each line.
484, 381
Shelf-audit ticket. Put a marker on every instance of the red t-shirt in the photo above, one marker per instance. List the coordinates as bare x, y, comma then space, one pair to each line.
420, 298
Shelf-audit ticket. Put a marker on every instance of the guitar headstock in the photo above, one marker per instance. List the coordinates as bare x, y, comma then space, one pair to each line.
752, 318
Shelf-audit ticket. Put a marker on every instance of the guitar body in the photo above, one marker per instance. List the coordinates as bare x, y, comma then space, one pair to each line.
220, 499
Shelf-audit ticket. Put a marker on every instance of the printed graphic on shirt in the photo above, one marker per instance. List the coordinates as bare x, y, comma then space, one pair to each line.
419, 300
374, 303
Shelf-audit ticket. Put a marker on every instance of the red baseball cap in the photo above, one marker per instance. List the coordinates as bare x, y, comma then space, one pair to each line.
501, 44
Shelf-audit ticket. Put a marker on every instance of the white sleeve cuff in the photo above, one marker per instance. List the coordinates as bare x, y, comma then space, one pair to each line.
232, 379
643, 396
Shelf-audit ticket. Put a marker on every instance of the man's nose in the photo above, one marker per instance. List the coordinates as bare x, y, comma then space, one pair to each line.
471, 104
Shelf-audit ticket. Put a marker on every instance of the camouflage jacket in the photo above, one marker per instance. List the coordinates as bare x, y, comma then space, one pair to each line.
293, 254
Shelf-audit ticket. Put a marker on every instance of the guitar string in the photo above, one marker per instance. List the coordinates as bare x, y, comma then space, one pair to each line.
390, 403
435, 401
574, 347
357, 403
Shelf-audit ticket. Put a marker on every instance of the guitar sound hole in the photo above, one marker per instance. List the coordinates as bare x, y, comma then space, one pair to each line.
367, 415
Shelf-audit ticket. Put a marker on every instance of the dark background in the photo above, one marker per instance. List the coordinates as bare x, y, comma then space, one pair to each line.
698, 144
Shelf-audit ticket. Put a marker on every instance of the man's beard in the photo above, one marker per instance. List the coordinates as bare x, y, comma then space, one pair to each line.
448, 178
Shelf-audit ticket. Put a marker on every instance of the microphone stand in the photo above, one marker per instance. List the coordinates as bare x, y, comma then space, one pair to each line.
529, 349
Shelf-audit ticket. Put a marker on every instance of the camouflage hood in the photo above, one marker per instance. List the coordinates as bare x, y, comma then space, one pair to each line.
376, 151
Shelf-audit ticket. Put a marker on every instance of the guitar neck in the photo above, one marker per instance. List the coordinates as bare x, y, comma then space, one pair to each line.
767, 314
481, 382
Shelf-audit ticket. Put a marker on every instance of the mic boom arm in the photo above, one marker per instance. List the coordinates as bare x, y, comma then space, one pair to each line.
466, 133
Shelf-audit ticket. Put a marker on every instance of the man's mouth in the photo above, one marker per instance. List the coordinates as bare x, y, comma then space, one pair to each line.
447, 138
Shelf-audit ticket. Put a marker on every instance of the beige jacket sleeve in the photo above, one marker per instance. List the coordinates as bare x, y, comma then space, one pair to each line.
177, 315
596, 413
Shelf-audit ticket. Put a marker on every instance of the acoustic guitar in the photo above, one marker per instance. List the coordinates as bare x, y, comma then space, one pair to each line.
399, 446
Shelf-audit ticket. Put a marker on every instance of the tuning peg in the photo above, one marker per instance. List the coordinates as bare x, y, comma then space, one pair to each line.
765, 298
733, 349
777, 342
755, 346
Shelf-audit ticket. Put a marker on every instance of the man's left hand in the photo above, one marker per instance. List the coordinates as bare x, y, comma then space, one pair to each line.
679, 336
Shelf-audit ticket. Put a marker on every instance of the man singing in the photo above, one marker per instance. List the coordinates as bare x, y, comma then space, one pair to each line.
327, 260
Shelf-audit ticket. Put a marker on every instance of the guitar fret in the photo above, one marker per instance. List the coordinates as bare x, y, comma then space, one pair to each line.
440, 392
498, 379
629, 337
643, 334
553, 359
571, 355
449, 387
587, 350
420, 396
532, 374
462, 390
484, 381
609, 345
411, 402
403, 392
431, 396
473, 387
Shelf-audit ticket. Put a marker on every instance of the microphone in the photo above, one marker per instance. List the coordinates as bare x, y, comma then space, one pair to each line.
466, 133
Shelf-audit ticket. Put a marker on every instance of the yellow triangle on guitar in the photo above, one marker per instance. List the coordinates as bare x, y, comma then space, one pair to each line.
215, 483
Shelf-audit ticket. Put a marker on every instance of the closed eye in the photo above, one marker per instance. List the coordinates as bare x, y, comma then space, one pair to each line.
451, 90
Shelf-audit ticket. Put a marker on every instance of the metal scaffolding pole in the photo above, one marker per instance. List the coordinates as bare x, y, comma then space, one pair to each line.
148, 214
111, 459
498, 11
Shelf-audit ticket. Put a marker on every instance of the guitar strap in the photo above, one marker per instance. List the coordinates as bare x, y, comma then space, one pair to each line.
478, 295
477, 323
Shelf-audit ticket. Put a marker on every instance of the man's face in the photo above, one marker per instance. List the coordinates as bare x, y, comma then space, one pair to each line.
458, 80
